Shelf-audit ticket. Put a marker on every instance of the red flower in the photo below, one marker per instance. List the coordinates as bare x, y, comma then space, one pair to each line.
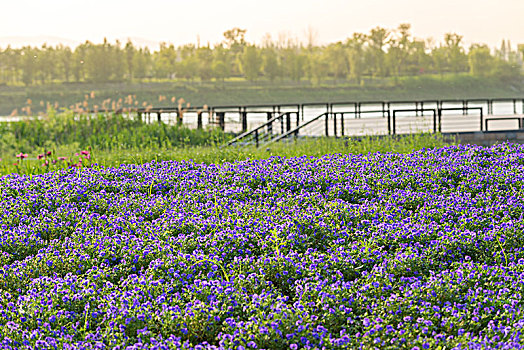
86, 153
40, 156
49, 153
21, 155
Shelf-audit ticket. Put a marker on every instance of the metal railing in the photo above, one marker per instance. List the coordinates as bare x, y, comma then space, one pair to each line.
334, 123
295, 130
464, 110
257, 124
257, 135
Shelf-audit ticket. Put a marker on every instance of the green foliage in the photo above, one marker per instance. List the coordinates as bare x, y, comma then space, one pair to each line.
250, 63
480, 60
356, 56
211, 154
381, 53
102, 132
271, 66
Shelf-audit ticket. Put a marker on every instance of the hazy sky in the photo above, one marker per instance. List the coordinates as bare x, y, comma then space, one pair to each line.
182, 21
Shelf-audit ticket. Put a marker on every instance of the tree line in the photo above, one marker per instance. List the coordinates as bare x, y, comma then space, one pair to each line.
381, 53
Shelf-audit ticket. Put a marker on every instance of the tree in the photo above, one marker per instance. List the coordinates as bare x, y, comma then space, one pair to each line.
480, 60
521, 50
399, 50
356, 56
117, 62
45, 63
271, 66
377, 39
338, 60
319, 66
65, 57
188, 68
103, 62
129, 50
165, 60
220, 70
439, 59
507, 71
204, 55
294, 62
221, 63
456, 58
418, 61
503, 53
28, 59
79, 56
234, 39
250, 62
10, 65
142, 63
299, 63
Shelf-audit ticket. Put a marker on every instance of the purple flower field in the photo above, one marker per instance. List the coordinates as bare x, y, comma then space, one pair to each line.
387, 251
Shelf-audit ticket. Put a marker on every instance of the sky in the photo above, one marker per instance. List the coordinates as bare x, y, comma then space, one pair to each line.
189, 21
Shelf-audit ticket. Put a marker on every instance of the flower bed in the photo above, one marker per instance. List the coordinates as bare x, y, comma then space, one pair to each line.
380, 250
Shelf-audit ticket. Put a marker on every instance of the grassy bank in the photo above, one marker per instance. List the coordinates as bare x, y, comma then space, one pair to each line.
239, 92
70, 155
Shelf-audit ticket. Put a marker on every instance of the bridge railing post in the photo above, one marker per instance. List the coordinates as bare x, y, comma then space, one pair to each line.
199, 120
342, 124
434, 122
393, 127
270, 125
481, 119
439, 120
389, 122
221, 116
326, 124
335, 124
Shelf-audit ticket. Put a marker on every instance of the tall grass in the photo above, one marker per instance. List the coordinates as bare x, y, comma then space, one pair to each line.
100, 131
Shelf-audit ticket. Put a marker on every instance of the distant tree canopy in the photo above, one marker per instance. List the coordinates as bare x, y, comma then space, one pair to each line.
381, 53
